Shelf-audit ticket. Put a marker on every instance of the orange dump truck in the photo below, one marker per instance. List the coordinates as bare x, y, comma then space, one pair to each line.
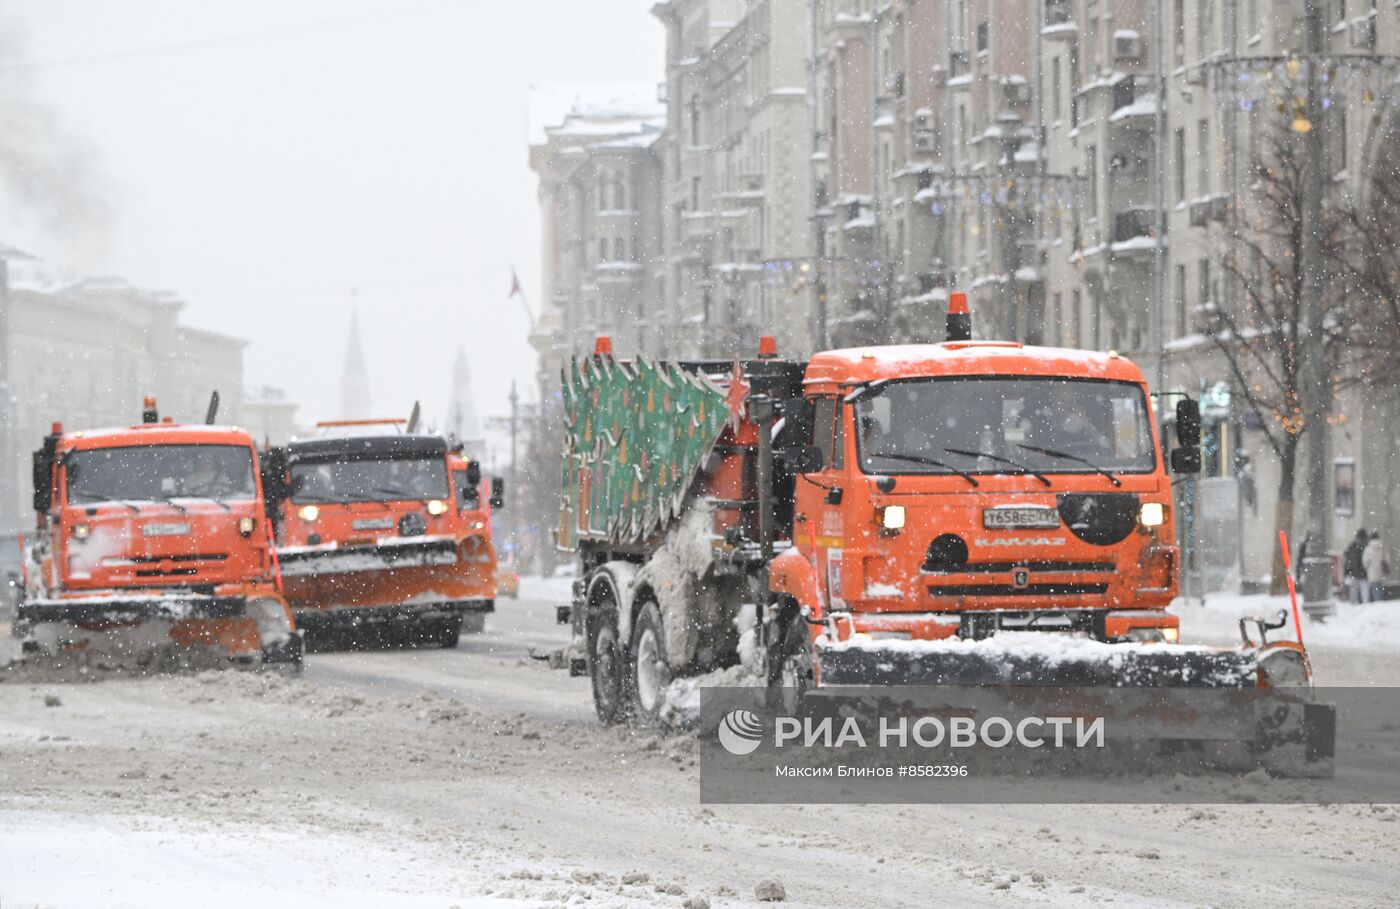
880, 509
152, 542
384, 533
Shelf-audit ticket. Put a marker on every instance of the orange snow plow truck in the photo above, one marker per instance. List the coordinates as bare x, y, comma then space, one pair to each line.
385, 533
889, 512
152, 548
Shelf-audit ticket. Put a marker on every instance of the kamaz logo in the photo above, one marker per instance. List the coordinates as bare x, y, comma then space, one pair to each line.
1009, 542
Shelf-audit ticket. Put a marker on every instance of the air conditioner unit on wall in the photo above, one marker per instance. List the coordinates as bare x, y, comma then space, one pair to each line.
1127, 46
1363, 33
924, 142
1200, 213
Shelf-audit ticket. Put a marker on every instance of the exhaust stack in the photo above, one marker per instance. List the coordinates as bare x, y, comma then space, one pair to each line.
149, 414
959, 317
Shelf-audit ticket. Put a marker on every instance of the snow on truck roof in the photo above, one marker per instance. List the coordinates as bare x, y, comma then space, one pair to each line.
964, 358
155, 434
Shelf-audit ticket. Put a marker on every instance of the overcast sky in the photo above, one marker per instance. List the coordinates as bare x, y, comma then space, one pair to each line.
378, 144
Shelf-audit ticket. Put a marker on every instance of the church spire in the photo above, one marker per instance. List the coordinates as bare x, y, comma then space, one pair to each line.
354, 378
462, 418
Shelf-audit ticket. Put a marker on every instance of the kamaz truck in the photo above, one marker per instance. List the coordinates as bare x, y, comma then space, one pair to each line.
152, 548
878, 516
383, 535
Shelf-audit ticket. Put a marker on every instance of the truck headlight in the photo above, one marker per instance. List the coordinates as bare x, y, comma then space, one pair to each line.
1152, 514
437, 507
892, 517
81, 531
309, 513
245, 526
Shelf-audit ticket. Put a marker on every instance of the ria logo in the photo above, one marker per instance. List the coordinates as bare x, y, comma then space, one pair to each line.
741, 732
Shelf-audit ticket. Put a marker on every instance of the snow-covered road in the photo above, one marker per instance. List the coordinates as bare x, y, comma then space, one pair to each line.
478, 777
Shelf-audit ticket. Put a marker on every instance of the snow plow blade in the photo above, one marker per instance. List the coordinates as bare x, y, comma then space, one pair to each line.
303, 561
124, 609
1104, 666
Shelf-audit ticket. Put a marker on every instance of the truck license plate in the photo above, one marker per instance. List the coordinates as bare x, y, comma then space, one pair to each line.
373, 524
1017, 518
165, 530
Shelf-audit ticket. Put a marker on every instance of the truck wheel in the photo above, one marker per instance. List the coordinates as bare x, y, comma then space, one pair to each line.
605, 661
790, 669
650, 672
474, 623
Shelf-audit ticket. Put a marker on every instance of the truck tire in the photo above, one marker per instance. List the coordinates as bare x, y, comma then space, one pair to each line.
473, 623
605, 659
442, 633
790, 667
649, 672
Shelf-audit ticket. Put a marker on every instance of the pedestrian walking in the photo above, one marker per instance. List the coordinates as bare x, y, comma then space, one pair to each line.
1373, 560
1353, 571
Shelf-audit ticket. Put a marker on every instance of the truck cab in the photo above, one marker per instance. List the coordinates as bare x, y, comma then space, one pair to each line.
381, 532
153, 524
970, 487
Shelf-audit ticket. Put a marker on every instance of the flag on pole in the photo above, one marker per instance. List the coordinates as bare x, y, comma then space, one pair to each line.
515, 289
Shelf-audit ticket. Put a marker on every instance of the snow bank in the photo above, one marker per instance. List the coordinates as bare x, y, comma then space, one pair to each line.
1369, 626
556, 591
151, 861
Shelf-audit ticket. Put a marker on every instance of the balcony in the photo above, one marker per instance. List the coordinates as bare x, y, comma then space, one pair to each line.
1133, 97
1134, 229
1059, 19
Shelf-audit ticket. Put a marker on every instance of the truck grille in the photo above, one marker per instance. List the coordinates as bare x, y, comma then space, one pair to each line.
1005, 567
1011, 590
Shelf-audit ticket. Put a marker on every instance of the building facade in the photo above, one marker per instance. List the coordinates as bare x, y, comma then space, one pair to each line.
831, 168
86, 354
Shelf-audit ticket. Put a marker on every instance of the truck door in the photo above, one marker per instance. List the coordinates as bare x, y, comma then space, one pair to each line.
822, 532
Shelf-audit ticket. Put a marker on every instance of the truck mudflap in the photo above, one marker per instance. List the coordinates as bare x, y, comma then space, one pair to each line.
298, 561
129, 608
1063, 664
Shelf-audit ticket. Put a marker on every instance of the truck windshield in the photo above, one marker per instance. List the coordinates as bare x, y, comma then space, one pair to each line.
154, 473
370, 480
1005, 425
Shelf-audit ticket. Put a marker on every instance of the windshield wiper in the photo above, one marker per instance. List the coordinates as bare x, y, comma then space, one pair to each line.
1022, 469
170, 500
103, 498
920, 459
1069, 457
218, 502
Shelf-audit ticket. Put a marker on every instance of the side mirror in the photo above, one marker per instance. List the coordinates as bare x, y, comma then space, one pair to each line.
498, 493
809, 460
43, 481
1186, 460
473, 473
1188, 422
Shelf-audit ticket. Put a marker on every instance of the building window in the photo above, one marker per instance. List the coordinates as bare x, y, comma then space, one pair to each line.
695, 194
1204, 275
1180, 165
603, 250
1204, 12
602, 190
1179, 31
1056, 319
694, 119
1181, 305
1055, 88
636, 248
1091, 171
1203, 158
1076, 301
620, 193
619, 250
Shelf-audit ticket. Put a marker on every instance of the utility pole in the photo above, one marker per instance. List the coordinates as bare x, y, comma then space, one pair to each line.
1159, 201
814, 114
514, 489
1316, 568
9, 504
